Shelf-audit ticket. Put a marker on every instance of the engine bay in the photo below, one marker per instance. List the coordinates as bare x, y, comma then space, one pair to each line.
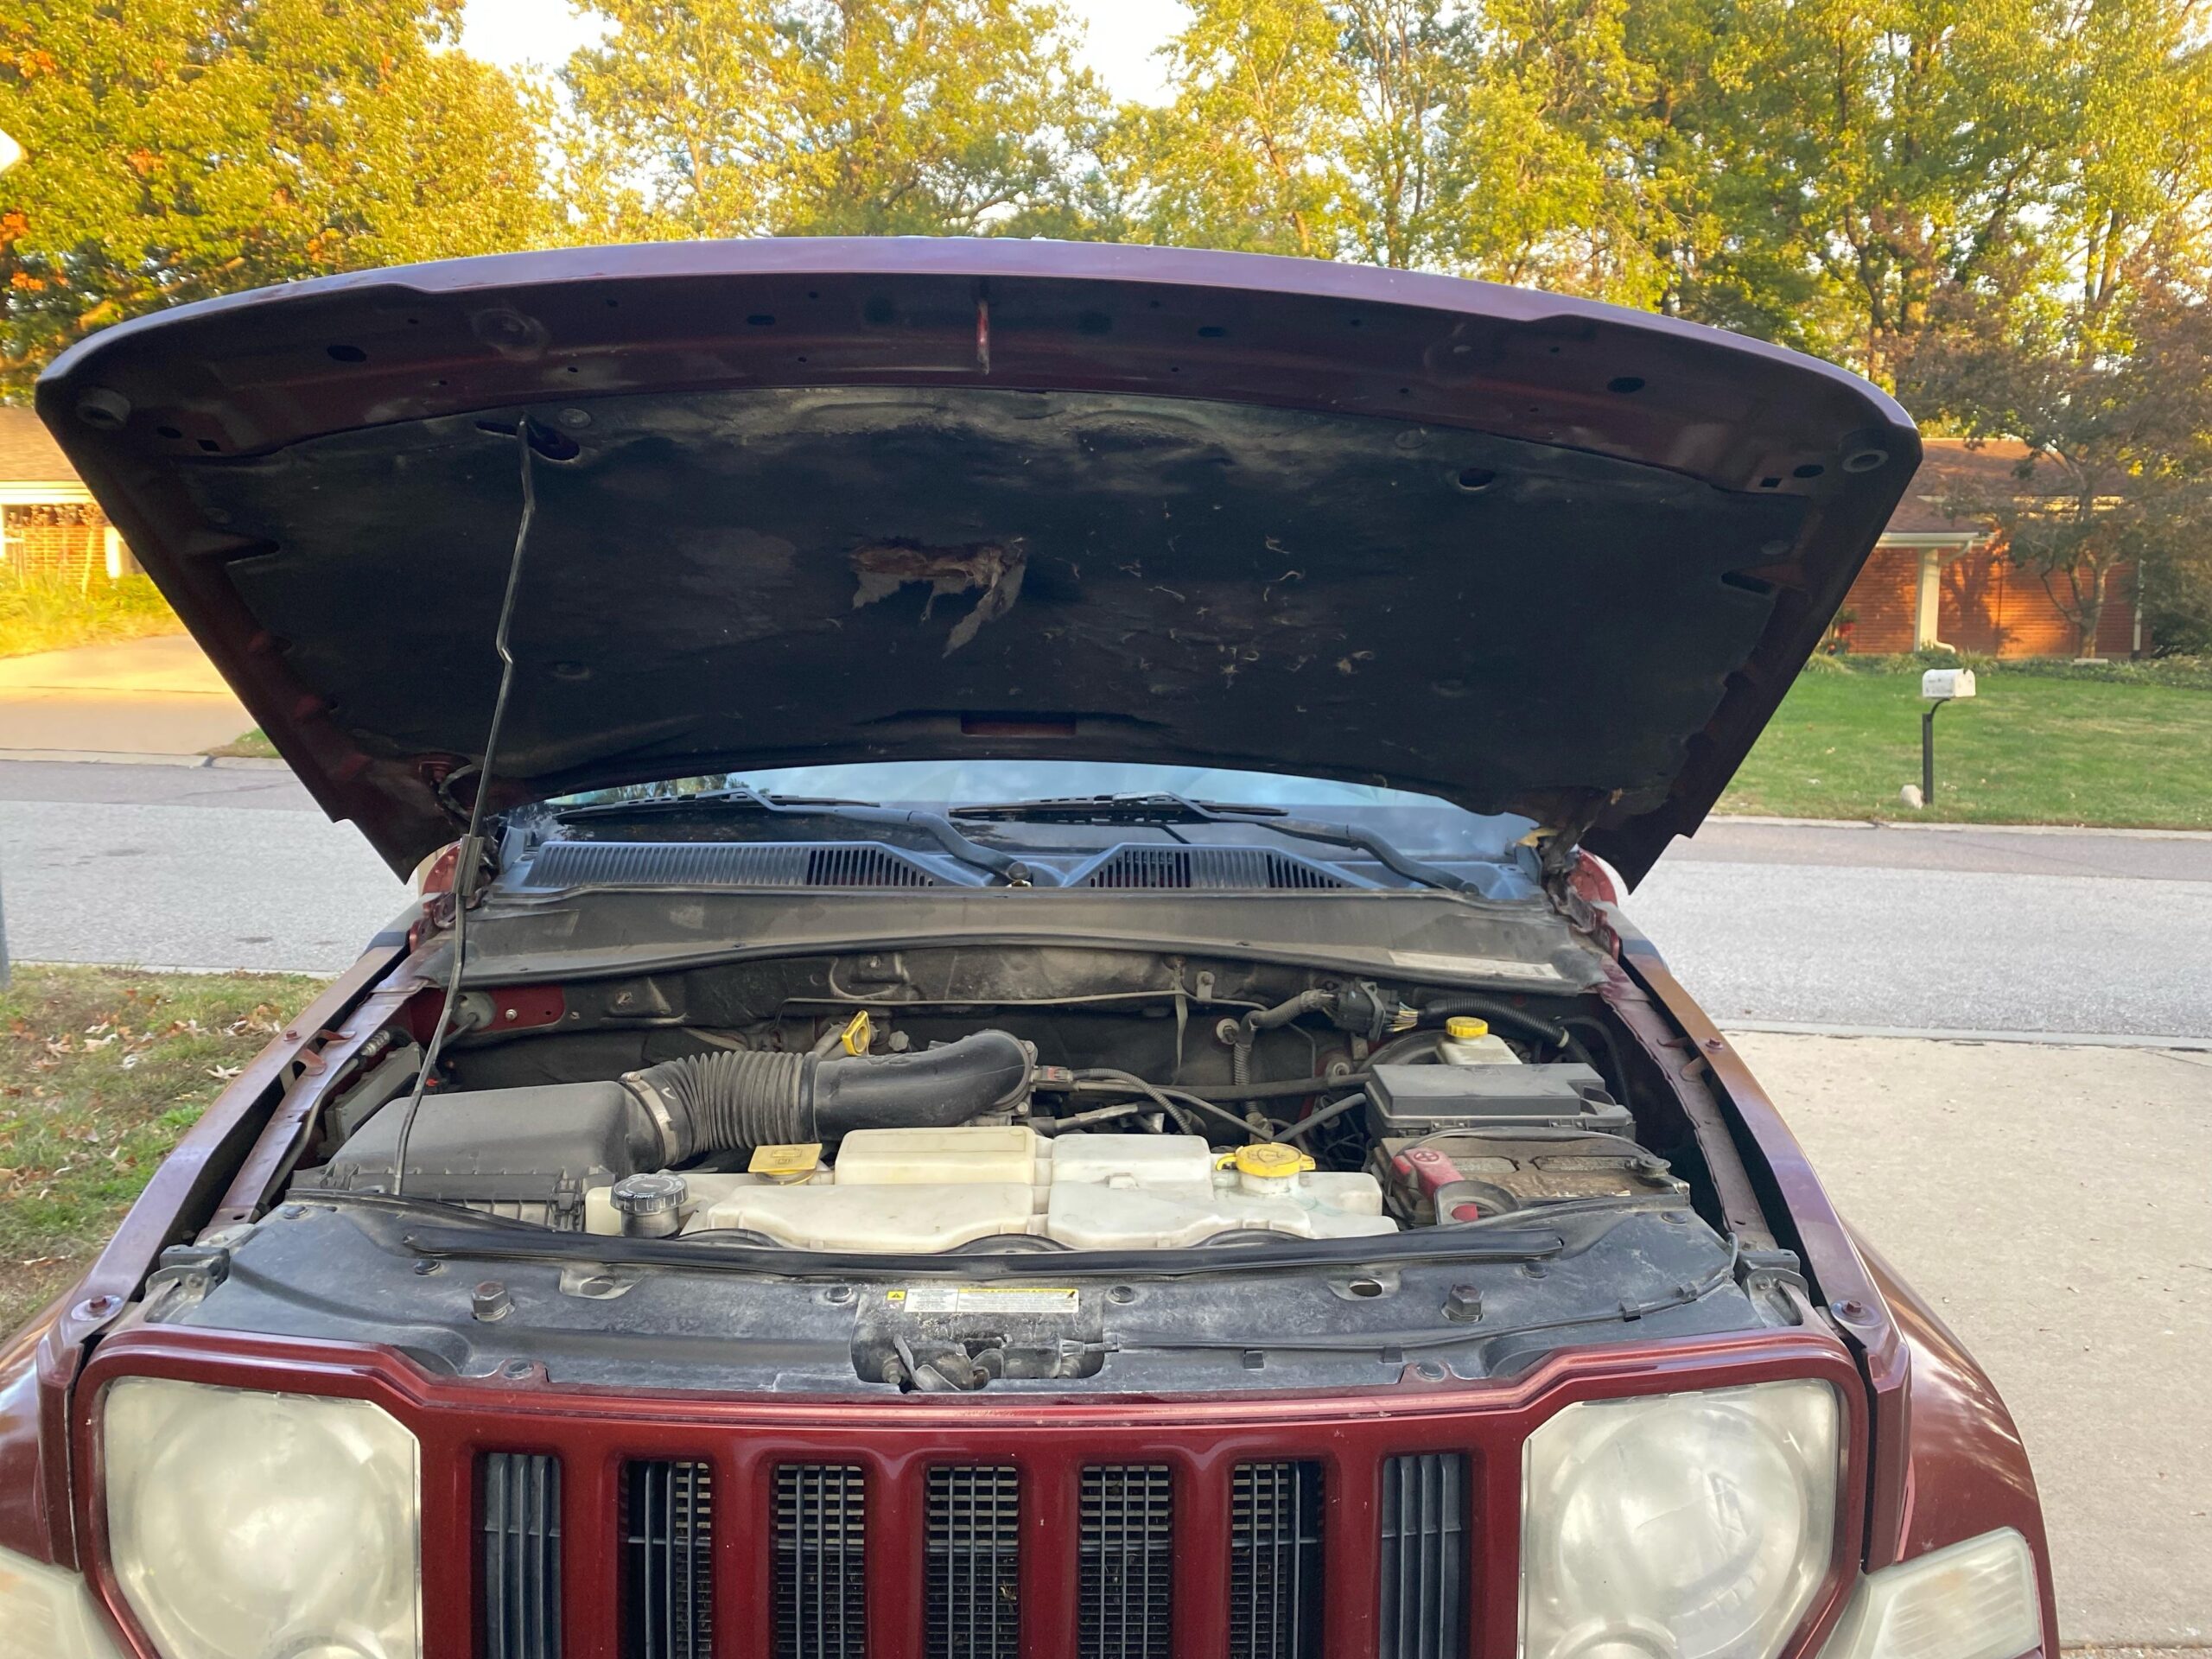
1227, 1105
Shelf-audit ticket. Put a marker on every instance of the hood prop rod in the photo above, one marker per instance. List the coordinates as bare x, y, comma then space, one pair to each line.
469, 866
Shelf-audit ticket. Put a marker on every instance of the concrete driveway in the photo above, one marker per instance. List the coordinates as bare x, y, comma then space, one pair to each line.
145, 696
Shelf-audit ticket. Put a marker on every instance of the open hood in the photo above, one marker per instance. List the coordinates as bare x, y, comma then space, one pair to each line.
830, 500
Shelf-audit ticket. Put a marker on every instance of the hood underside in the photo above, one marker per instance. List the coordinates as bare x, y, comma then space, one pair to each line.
833, 501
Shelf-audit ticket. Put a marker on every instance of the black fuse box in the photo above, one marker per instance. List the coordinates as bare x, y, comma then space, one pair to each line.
1412, 1100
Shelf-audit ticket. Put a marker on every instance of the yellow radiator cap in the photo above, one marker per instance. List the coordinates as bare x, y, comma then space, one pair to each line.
1464, 1028
1270, 1158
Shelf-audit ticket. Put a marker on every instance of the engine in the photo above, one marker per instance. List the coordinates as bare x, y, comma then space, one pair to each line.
1346, 1112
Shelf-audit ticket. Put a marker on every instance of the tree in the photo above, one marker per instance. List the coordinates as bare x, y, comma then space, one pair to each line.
747, 117
184, 148
2118, 430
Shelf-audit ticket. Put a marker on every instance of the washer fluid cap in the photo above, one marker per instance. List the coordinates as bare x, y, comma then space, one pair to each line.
1270, 1158
1465, 1028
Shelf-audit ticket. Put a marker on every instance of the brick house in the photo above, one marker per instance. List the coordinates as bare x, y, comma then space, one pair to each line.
1935, 581
49, 528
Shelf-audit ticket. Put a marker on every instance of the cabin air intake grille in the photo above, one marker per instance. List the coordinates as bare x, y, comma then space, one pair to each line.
721, 864
1127, 1540
1423, 1558
821, 1531
668, 1545
973, 1578
1241, 869
521, 1499
1274, 1561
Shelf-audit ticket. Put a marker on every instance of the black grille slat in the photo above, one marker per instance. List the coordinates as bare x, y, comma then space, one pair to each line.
1126, 1537
521, 1496
1221, 869
863, 865
668, 1543
821, 1535
1423, 1558
1274, 1561
973, 1580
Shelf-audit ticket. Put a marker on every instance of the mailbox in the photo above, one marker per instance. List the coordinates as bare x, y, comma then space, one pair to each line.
1947, 684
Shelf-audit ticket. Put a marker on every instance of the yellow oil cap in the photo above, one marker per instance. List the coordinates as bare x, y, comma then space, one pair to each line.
787, 1163
1463, 1028
1270, 1158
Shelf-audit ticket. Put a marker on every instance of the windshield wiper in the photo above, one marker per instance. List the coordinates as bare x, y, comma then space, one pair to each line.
1165, 808
744, 799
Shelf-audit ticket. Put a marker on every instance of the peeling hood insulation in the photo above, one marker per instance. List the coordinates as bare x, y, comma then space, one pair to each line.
818, 501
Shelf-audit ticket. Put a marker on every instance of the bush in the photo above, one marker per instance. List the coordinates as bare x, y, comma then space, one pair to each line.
2187, 673
39, 612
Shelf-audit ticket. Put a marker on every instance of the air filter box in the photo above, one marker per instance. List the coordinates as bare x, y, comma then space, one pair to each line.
1415, 1100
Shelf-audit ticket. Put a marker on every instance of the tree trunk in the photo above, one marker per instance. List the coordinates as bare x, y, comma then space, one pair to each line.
2093, 607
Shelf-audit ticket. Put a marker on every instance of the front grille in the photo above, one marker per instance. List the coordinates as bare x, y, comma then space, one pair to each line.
521, 1499
1274, 1561
821, 1531
1126, 1537
668, 1593
1423, 1562
973, 1581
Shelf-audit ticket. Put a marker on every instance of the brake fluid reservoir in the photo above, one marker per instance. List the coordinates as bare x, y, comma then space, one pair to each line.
1468, 1041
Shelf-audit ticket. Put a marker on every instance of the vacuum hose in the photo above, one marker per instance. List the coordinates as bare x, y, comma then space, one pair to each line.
734, 1099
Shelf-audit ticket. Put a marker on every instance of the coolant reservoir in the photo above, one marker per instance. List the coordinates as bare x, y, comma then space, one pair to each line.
1468, 1041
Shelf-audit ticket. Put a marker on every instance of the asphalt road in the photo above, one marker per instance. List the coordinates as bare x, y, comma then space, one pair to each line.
2050, 932
1827, 926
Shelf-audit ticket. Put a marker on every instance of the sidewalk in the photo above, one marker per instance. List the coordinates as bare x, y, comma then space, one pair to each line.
143, 699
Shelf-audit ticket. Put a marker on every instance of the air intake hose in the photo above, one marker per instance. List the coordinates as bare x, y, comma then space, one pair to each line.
735, 1100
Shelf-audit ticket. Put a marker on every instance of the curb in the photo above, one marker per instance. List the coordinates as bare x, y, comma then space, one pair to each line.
1941, 1034
1957, 828
137, 758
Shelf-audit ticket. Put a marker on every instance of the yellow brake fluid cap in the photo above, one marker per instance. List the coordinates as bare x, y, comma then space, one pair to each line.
1270, 1158
1463, 1029
787, 1163
859, 1033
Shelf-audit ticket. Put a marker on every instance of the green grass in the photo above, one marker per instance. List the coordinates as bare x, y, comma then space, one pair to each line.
101, 1070
38, 615
247, 745
2031, 748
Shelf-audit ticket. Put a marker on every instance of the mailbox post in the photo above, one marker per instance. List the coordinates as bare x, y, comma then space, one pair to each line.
1939, 686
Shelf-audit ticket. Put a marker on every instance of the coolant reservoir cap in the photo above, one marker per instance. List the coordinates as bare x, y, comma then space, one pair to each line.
657, 1192
1270, 1158
1465, 1028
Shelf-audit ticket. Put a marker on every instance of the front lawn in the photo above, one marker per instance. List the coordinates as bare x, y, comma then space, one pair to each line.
101, 1070
41, 613
2031, 748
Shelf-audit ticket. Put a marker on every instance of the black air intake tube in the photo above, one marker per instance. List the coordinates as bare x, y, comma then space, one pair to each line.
735, 1100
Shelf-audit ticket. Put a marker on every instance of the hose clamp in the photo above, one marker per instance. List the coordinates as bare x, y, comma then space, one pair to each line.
656, 1108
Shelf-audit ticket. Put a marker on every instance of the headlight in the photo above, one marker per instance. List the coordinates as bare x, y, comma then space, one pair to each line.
1682, 1526
263, 1526
1975, 1600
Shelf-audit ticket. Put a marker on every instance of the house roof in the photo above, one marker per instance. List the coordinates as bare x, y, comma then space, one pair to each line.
1955, 467
29, 454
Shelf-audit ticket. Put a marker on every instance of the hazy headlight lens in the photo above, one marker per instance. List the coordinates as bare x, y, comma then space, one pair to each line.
1975, 1600
1683, 1526
263, 1526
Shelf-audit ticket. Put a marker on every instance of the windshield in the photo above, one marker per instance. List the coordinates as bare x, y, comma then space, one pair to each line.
1415, 822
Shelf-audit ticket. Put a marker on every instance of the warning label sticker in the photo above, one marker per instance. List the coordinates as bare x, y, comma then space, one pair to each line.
983, 1298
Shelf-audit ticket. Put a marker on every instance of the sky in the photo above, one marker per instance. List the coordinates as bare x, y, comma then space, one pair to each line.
1121, 36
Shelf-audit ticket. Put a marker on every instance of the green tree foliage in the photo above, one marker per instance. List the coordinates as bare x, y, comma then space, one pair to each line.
179, 149
2118, 430
747, 117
